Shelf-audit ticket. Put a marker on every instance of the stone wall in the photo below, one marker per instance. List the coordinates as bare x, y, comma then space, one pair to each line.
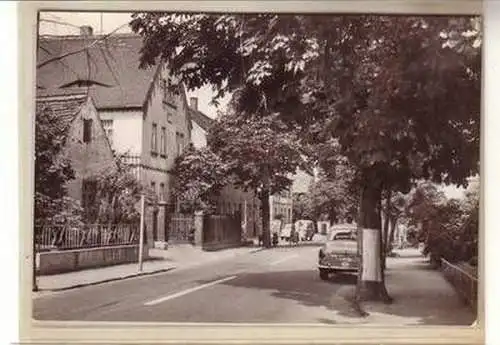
54, 262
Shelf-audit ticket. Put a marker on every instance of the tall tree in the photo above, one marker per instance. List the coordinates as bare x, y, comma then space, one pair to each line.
300, 206
259, 153
401, 94
334, 195
200, 174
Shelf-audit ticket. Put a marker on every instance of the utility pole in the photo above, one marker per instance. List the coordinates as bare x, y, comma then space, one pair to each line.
141, 234
34, 284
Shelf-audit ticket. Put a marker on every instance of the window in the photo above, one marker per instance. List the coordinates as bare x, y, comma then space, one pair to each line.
154, 148
87, 130
108, 129
164, 89
179, 142
153, 186
163, 142
162, 192
168, 96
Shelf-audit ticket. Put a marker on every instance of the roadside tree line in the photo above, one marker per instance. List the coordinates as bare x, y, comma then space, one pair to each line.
397, 97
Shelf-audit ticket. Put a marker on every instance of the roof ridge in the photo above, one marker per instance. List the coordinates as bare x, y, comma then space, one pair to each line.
94, 36
202, 114
61, 97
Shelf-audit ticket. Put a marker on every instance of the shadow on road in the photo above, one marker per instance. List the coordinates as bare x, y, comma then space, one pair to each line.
343, 279
304, 287
427, 302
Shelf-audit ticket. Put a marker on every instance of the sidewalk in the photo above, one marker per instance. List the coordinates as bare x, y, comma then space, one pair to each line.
176, 257
421, 295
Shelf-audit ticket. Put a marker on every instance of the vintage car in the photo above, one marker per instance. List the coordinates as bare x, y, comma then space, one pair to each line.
305, 229
339, 254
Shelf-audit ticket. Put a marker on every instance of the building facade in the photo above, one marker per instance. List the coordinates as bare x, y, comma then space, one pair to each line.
147, 122
281, 206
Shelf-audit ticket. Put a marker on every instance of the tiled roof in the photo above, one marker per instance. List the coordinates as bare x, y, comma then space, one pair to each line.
64, 107
201, 119
113, 63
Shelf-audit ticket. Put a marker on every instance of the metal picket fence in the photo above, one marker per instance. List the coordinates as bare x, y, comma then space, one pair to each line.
465, 283
180, 229
62, 237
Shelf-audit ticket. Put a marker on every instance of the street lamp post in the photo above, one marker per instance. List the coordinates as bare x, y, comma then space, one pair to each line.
141, 234
34, 283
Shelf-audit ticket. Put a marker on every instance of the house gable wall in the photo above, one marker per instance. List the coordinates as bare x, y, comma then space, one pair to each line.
198, 136
87, 159
127, 130
172, 115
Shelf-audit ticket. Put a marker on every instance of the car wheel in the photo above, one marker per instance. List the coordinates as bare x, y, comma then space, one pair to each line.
323, 274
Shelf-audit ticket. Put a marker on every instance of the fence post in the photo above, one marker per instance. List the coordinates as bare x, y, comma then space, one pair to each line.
198, 228
141, 234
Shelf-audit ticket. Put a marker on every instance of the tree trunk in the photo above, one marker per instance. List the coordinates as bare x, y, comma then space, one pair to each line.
264, 206
394, 221
385, 238
370, 284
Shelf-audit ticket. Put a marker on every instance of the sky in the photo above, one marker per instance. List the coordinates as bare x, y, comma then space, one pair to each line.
68, 23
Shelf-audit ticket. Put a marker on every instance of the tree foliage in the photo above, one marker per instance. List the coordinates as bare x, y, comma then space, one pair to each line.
200, 175
52, 170
447, 227
117, 196
398, 95
333, 196
258, 151
300, 206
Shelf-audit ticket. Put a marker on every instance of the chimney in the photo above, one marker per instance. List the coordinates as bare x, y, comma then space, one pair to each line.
86, 30
193, 103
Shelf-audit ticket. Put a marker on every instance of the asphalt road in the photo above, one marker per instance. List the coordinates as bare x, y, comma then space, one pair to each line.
277, 285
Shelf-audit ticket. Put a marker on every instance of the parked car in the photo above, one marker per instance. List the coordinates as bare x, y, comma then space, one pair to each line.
305, 229
339, 254
342, 227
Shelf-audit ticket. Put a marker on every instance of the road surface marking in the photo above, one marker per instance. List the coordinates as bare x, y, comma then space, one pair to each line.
283, 260
185, 292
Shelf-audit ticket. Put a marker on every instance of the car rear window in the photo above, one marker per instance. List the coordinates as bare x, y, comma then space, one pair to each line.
343, 236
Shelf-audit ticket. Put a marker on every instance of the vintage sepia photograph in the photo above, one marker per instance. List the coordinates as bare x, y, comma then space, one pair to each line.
257, 168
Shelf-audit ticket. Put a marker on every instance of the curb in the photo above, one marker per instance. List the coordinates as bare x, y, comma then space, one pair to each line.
134, 275
256, 250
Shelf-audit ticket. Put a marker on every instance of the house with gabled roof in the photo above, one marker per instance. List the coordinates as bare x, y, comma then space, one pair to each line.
85, 142
144, 120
